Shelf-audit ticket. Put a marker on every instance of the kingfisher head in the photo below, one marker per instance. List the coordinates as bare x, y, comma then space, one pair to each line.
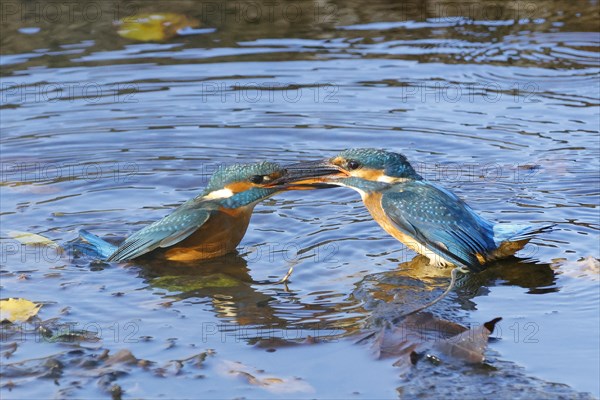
375, 165
240, 185
360, 168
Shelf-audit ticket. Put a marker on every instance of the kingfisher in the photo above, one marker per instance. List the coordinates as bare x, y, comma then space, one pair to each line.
205, 227
427, 218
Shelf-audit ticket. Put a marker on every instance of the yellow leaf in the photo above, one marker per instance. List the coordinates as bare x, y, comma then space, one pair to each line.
32, 239
154, 27
19, 310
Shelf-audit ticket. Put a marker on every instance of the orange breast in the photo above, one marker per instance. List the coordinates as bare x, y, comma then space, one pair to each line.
220, 235
373, 203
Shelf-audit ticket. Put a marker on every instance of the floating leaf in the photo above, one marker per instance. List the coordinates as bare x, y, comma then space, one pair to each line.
122, 356
422, 333
32, 239
20, 310
154, 27
415, 331
469, 345
588, 267
259, 378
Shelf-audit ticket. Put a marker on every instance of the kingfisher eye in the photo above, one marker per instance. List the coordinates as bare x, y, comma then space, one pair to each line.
353, 164
257, 179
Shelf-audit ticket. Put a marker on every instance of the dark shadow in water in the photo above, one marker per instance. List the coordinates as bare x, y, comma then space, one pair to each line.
387, 295
539, 278
390, 294
226, 281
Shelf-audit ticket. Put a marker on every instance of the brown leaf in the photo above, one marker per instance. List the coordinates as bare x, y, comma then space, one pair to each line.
414, 332
470, 345
123, 356
423, 332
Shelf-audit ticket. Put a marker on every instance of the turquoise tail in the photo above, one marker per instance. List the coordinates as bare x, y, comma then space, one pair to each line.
510, 238
99, 246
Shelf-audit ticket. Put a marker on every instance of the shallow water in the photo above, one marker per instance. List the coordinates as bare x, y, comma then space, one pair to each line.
495, 101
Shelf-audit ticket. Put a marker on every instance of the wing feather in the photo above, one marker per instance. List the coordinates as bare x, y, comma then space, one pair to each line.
170, 230
441, 221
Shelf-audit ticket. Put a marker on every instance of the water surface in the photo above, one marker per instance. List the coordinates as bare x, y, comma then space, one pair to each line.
495, 101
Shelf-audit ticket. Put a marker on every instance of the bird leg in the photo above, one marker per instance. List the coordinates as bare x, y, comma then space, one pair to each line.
453, 276
283, 280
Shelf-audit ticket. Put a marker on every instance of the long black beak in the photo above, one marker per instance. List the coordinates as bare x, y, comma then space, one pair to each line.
309, 175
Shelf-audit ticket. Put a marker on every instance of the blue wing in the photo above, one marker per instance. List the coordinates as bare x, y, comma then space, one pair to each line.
97, 245
439, 220
170, 230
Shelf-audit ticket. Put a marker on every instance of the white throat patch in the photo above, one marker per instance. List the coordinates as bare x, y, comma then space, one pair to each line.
362, 193
390, 179
219, 194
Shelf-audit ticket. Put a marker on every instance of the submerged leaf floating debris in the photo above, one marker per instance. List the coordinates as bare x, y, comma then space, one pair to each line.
469, 345
17, 310
271, 383
32, 239
588, 268
154, 27
423, 333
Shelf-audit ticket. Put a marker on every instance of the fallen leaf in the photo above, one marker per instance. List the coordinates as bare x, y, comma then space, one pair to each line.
122, 356
423, 334
259, 378
154, 27
414, 332
32, 239
20, 310
588, 267
469, 345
